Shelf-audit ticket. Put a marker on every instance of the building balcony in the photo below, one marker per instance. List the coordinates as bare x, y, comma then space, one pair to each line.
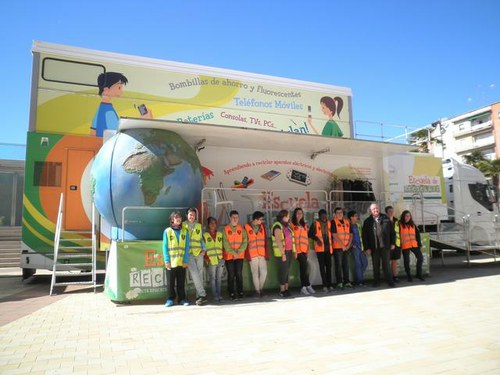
478, 145
472, 129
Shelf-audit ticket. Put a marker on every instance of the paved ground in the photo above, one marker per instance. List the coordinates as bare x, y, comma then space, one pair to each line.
449, 324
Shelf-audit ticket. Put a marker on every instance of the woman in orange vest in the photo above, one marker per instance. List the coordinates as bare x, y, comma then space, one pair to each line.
410, 241
257, 254
299, 228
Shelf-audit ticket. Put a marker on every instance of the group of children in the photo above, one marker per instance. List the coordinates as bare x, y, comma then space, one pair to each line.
187, 246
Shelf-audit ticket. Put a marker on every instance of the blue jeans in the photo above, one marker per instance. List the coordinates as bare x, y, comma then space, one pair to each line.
215, 272
360, 264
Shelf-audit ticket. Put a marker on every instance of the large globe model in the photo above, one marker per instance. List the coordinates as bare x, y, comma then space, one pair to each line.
149, 173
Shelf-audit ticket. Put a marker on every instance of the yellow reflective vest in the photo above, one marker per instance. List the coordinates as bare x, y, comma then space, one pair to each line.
176, 247
214, 247
194, 237
276, 249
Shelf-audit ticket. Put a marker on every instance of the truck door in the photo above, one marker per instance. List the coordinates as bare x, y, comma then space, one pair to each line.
77, 202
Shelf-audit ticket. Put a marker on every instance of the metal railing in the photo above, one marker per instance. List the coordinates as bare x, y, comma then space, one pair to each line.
127, 209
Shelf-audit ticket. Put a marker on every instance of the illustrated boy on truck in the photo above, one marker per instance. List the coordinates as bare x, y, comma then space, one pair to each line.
110, 86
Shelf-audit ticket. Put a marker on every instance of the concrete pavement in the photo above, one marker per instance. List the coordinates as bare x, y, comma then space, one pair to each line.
447, 325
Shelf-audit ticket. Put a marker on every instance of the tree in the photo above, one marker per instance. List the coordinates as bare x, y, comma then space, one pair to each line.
491, 169
474, 158
421, 139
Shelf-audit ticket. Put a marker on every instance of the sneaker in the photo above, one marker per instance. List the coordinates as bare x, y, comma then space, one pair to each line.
340, 286
396, 279
362, 285
420, 278
287, 293
169, 303
200, 301
233, 297
310, 289
348, 285
331, 288
282, 294
304, 291
325, 289
184, 302
240, 296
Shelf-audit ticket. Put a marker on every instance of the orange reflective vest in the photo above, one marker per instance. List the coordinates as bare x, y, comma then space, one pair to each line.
256, 241
319, 234
301, 240
235, 239
343, 233
408, 237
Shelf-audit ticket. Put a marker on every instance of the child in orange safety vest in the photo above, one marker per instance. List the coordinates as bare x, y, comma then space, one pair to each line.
341, 238
235, 243
299, 227
321, 234
257, 253
410, 241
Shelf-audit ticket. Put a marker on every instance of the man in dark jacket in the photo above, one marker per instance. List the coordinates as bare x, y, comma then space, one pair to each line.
378, 240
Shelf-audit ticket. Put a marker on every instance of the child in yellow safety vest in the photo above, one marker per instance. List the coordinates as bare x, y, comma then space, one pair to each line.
213, 244
283, 248
197, 252
396, 252
176, 257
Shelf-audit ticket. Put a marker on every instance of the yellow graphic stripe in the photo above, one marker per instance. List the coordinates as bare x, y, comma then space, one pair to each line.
42, 220
49, 225
80, 107
37, 234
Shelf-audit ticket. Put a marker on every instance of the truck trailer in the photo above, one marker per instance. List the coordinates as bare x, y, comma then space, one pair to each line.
138, 138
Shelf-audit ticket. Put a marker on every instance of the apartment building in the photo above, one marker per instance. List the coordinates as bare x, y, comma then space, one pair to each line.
474, 130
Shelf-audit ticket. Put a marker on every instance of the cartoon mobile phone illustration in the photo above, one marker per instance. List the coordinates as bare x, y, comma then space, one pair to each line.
271, 175
143, 110
298, 177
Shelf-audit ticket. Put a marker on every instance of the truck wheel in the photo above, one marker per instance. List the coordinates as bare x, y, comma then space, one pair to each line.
28, 272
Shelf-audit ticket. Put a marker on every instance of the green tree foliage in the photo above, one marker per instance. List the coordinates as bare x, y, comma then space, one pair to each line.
490, 168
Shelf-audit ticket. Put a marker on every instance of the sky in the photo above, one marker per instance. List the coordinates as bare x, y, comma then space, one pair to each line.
408, 63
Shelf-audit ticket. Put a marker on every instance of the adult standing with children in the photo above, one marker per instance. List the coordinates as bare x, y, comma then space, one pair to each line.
378, 241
